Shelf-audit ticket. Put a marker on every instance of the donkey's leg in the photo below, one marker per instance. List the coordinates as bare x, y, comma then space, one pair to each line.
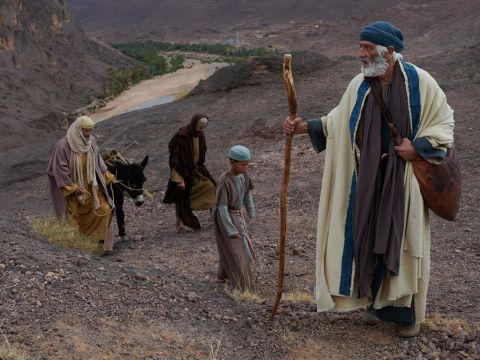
119, 211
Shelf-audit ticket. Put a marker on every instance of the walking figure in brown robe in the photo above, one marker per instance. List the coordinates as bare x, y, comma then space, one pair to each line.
190, 187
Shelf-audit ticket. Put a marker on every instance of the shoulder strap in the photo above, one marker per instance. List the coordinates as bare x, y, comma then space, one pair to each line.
397, 140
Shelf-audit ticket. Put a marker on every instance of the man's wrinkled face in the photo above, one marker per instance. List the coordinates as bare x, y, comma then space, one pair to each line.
373, 64
86, 132
367, 52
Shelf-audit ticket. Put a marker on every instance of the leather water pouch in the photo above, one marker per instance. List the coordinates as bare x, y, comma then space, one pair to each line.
440, 184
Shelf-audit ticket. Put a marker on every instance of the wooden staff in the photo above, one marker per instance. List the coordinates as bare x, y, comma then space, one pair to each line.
292, 105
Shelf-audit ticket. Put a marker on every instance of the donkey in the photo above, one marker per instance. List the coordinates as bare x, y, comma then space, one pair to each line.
130, 180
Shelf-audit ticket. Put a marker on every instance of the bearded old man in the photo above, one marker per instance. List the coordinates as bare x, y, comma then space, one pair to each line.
373, 235
190, 187
78, 183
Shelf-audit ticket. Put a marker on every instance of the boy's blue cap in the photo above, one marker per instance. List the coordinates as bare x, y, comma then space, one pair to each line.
239, 153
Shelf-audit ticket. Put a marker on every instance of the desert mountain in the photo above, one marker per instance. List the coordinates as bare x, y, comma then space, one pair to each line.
196, 19
48, 66
429, 26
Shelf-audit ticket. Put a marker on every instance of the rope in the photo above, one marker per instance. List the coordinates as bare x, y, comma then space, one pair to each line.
114, 158
127, 187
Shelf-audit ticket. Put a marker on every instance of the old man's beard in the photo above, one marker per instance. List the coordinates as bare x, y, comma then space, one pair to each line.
373, 68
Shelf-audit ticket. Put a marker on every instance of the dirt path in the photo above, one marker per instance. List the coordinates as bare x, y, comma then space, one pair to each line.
173, 84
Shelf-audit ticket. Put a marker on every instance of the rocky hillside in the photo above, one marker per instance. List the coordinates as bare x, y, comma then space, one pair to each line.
118, 21
283, 24
48, 66
157, 297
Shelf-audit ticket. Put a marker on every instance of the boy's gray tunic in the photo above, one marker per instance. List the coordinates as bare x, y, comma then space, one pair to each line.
236, 258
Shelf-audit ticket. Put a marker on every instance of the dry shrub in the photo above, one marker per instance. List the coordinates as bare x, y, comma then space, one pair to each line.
64, 234
298, 296
246, 295
288, 337
213, 354
436, 322
8, 352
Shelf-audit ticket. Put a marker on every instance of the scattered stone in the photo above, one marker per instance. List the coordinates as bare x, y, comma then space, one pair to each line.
192, 296
138, 276
445, 355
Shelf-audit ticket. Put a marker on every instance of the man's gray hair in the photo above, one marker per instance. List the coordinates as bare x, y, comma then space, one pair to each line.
382, 50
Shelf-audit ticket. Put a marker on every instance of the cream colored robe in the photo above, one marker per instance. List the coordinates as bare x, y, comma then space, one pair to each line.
333, 261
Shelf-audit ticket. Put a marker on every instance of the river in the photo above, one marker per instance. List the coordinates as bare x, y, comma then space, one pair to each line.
159, 90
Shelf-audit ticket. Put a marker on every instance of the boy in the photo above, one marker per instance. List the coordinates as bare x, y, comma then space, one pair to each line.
233, 197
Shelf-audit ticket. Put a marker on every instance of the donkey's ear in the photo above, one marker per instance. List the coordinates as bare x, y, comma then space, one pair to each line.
144, 162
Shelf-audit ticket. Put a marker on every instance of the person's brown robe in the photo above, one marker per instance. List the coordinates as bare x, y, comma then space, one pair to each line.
181, 159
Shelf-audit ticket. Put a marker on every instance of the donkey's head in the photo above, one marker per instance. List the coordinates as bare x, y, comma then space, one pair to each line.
131, 179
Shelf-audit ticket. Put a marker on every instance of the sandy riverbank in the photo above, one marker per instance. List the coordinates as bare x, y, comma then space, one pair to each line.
175, 83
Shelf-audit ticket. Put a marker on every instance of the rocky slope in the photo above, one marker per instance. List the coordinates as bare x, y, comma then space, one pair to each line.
157, 296
48, 66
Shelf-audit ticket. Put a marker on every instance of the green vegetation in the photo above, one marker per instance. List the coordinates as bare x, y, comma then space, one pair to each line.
64, 234
176, 63
152, 63
229, 53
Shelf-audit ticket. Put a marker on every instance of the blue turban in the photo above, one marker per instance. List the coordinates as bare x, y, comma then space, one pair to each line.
383, 33
239, 153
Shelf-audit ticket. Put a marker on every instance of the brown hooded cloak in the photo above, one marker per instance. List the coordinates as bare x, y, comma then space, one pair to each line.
199, 193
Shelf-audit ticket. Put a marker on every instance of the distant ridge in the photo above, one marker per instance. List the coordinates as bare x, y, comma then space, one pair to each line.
119, 21
328, 26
